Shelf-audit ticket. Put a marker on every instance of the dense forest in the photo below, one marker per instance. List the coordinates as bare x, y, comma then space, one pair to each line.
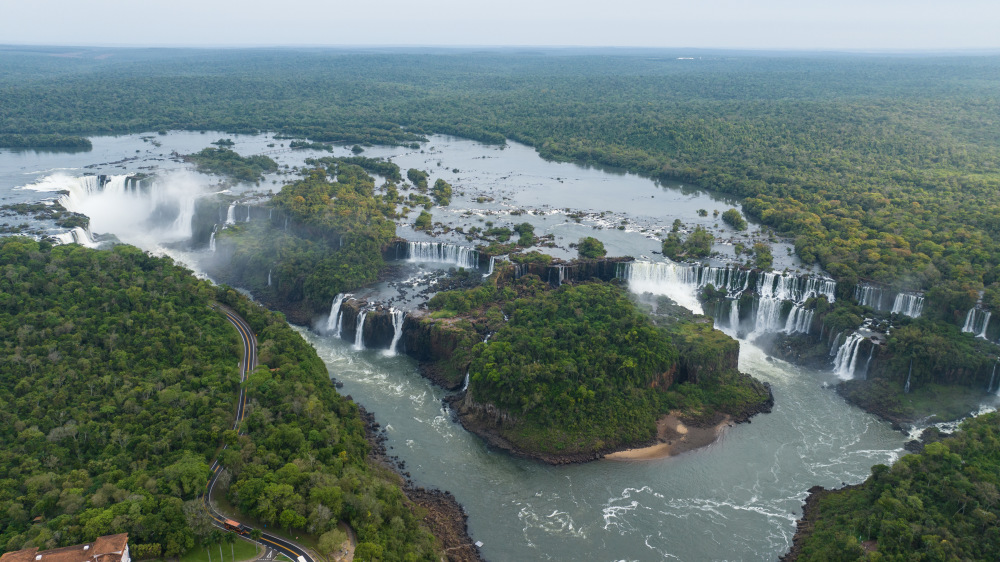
118, 383
226, 162
582, 369
941, 504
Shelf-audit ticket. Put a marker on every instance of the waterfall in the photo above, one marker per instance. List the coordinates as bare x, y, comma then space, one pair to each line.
336, 316
977, 320
993, 376
906, 388
439, 252
359, 333
268, 277
734, 315
231, 214
868, 295
908, 304
847, 356
560, 275
465, 385
397, 329
78, 235
211, 238
669, 279
799, 320
248, 214
834, 344
869, 362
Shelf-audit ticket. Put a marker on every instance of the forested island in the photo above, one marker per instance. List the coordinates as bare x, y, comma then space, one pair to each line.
118, 385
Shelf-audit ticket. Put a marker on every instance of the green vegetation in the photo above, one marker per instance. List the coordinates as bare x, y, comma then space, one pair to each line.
696, 245
418, 178
580, 369
423, 221
118, 383
377, 166
333, 242
590, 247
942, 504
735, 219
441, 192
228, 163
45, 141
305, 145
762, 257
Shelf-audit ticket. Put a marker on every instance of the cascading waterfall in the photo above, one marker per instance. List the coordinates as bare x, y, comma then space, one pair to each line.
989, 388
847, 356
78, 235
906, 388
248, 214
359, 343
869, 362
397, 329
908, 304
869, 295
440, 252
231, 214
977, 320
333, 323
493, 261
465, 385
268, 277
211, 238
799, 320
668, 279
734, 314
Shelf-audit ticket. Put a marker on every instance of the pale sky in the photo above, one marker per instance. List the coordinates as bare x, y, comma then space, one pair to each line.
761, 24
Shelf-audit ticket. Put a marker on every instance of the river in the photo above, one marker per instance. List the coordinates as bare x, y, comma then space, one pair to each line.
737, 499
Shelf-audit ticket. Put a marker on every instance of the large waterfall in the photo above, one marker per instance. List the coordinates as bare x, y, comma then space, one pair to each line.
334, 322
231, 214
440, 252
681, 282
977, 321
397, 329
117, 205
908, 304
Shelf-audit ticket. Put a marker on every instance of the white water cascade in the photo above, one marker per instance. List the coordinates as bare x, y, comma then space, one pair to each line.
869, 295
908, 304
906, 388
78, 235
993, 376
359, 332
248, 214
847, 356
465, 385
333, 323
734, 315
398, 316
440, 252
211, 238
231, 214
160, 214
268, 277
799, 320
668, 279
976, 321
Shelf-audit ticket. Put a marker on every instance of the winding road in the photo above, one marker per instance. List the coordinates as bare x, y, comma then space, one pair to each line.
293, 551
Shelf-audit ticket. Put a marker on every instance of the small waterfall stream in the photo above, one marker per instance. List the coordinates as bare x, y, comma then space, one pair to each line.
397, 329
334, 322
359, 333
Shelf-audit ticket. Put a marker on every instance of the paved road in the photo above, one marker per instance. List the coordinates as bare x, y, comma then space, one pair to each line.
248, 362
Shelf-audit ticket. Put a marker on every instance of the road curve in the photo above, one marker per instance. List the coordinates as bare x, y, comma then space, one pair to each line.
247, 363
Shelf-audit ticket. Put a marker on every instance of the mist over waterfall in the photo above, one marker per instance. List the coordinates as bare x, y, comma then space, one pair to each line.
440, 252
668, 279
157, 213
908, 304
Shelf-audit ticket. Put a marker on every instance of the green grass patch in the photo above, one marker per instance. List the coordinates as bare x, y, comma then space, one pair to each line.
242, 549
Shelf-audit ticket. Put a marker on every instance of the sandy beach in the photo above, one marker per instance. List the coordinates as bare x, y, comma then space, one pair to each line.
674, 438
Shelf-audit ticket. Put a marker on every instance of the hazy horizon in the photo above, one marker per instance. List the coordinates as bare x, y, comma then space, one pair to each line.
781, 25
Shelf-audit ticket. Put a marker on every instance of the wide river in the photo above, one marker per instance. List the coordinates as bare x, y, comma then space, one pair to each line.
737, 499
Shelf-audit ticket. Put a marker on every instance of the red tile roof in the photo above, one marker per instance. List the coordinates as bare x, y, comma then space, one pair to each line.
105, 549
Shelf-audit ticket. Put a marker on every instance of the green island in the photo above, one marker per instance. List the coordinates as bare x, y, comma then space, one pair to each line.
580, 370
940, 504
226, 162
119, 384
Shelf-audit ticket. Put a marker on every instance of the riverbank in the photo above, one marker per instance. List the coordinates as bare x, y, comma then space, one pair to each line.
445, 517
675, 437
